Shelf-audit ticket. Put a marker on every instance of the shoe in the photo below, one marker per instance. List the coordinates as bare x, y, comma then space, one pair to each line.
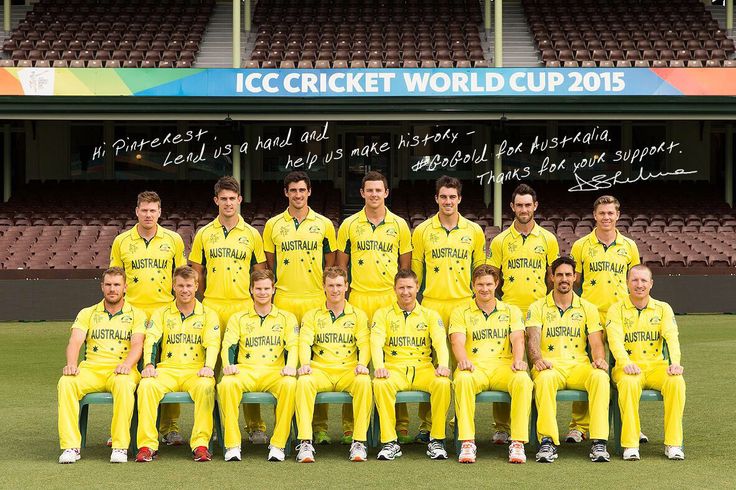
674, 452
404, 437
322, 438
145, 455
389, 451
422, 437
358, 451
643, 439
436, 449
631, 454
258, 437
202, 454
109, 442
70, 456
598, 452
547, 451
575, 436
173, 438
500, 437
305, 452
516, 452
276, 454
119, 456
233, 454
467, 452
347, 437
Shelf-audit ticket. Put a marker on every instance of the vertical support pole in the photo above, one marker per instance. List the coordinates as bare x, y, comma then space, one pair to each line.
487, 15
6, 16
729, 164
497, 187
498, 35
729, 16
486, 139
6, 158
248, 14
247, 189
236, 33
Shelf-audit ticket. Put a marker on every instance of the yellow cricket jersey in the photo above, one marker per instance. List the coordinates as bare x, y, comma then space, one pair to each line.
326, 341
407, 338
564, 333
148, 265
299, 250
604, 268
487, 337
109, 336
228, 257
374, 250
636, 335
255, 341
444, 260
184, 342
523, 261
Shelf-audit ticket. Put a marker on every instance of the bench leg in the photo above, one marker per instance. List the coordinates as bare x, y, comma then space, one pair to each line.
218, 426
616, 416
134, 429
533, 442
83, 416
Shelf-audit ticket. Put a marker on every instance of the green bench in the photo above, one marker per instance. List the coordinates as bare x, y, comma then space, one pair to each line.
401, 397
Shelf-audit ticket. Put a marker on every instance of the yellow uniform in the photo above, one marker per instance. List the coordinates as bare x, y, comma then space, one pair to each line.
260, 347
639, 336
107, 345
488, 346
299, 250
333, 347
564, 338
185, 345
402, 342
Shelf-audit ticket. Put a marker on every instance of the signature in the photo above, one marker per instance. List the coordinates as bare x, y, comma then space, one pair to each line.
604, 181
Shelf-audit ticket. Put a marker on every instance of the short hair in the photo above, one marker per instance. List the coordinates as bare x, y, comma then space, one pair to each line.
186, 272
297, 176
640, 267
449, 182
227, 183
485, 270
374, 176
113, 271
148, 196
405, 274
333, 272
260, 275
562, 260
606, 200
523, 190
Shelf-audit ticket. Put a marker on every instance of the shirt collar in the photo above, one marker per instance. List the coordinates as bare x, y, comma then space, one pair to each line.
198, 308
346, 311
388, 218
240, 225
100, 307
136, 235
311, 215
499, 306
594, 239
399, 311
575, 300
251, 311
461, 222
630, 304
536, 230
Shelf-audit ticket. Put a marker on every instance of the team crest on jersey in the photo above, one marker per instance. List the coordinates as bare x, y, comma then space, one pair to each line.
512, 247
654, 320
284, 230
277, 327
250, 327
503, 317
126, 319
622, 252
243, 240
360, 230
473, 322
348, 324
165, 247
550, 316
628, 322
466, 240
422, 326
148, 324
528, 315
315, 229
539, 249
394, 326
391, 232
592, 252
132, 248
296, 329
197, 325
99, 317
170, 323
577, 316
214, 238
216, 327
434, 238
321, 323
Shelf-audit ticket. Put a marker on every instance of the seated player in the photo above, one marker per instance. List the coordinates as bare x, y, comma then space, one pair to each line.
487, 339
638, 328
113, 330
402, 339
186, 334
259, 353
560, 327
334, 352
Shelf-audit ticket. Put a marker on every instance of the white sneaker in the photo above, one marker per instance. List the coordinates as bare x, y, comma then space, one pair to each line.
674, 452
500, 437
631, 454
258, 437
436, 449
70, 456
516, 452
276, 454
232, 454
119, 456
305, 452
389, 451
358, 451
467, 452
643, 438
173, 438
575, 436
109, 442
598, 452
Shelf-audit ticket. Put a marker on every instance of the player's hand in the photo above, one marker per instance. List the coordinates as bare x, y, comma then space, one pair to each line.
70, 370
230, 369
442, 371
600, 364
465, 365
149, 372
306, 369
632, 369
542, 364
519, 366
381, 373
122, 369
675, 370
206, 372
361, 369
288, 371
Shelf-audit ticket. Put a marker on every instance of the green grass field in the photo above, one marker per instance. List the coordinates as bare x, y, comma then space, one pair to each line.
33, 355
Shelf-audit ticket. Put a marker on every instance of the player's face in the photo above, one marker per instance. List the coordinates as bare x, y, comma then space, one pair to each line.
640, 283
335, 289
148, 214
523, 208
228, 203
406, 291
262, 292
606, 217
485, 288
374, 193
448, 200
185, 289
298, 194
113, 288
563, 278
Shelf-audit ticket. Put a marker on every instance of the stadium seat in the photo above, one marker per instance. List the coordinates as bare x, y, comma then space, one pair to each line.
256, 398
401, 397
102, 399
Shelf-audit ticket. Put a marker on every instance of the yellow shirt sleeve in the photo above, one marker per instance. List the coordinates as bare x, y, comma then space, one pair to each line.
671, 335
343, 235
457, 322
81, 322
179, 259
140, 321
268, 245
479, 252
306, 338
230, 342
258, 253
496, 256
553, 250
635, 259
292, 341
577, 254
116, 260
615, 333
196, 255
363, 339
405, 245
378, 338
592, 319
439, 341
330, 237
517, 323
417, 256
211, 338
153, 336
534, 315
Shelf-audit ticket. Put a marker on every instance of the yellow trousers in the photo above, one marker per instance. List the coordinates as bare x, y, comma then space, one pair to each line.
573, 376
653, 376
152, 390
230, 392
405, 378
468, 384
359, 386
93, 378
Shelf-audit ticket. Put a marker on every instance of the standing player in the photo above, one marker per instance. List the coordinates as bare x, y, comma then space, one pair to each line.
259, 353
488, 342
113, 331
403, 337
223, 253
334, 352
522, 254
603, 258
373, 245
639, 327
447, 248
560, 327
186, 335
149, 253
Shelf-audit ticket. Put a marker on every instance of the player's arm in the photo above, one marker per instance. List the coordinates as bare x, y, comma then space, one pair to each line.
615, 335
553, 251
405, 246
517, 340
269, 248
671, 336
202, 275
179, 258
329, 246
258, 259
495, 259
198, 261
229, 348
363, 342
306, 341
378, 340
76, 339
595, 338
136, 349
116, 258
457, 331
480, 257
417, 256
577, 254
439, 344
292, 347
343, 245
342, 259
152, 344
534, 337
211, 341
